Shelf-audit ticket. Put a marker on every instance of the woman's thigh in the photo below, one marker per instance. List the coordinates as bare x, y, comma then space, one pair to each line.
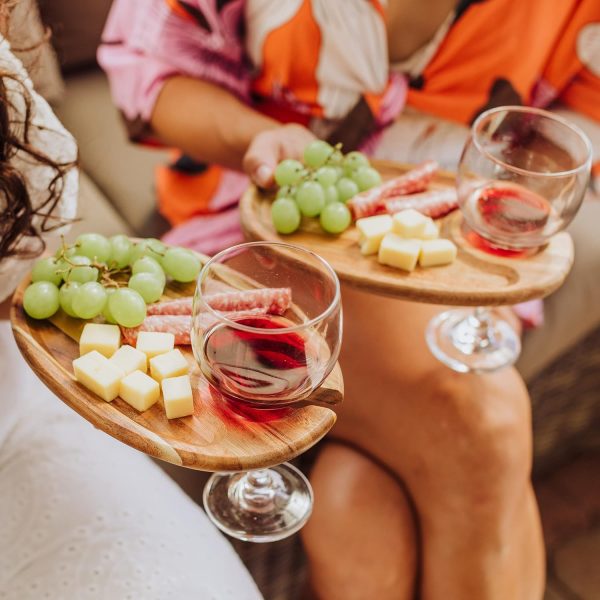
414, 414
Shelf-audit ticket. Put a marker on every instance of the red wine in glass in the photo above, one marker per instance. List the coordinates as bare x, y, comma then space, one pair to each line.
271, 369
506, 211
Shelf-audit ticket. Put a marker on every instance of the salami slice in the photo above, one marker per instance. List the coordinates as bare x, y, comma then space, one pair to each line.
370, 202
272, 300
433, 203
181, 325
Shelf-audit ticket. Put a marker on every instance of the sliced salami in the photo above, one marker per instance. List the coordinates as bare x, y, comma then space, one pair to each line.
179, 306
433, 203
272, 300
370, 202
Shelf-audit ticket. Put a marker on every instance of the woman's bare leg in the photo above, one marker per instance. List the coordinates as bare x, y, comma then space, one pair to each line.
361, 539
461, 443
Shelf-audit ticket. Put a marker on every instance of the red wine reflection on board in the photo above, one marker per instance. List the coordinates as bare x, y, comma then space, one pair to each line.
262, 367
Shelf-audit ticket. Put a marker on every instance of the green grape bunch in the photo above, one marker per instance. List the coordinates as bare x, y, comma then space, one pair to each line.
319, 187
113, 278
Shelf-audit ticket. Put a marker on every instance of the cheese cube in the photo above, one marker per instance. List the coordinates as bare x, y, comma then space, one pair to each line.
171, 364
153, 343
98, 375
128, 359
105, 339
431, 231
177, 397
409, 224
437, 252
398, 252
372, 230
139, 390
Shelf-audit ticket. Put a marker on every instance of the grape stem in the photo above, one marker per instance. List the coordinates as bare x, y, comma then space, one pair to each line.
106, 273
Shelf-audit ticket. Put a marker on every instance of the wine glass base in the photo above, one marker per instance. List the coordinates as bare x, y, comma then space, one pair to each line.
454, 342
267, 514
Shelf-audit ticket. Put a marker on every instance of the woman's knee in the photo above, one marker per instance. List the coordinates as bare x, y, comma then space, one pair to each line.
484, 428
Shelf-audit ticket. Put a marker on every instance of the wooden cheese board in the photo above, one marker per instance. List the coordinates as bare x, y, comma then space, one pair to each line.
475, 278
215, 438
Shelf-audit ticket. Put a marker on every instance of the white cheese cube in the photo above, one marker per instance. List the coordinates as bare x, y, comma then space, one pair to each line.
431, 231
98, 375
139, 390
153, 343
177, 397
437, 252
170, 364
398, 252
372, 230
128, 359
409, 224
105, 339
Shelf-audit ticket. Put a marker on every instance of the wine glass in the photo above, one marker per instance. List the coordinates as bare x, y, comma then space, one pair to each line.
521, 179
261, 356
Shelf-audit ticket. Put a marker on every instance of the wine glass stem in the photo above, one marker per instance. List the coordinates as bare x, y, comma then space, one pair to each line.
475, 333
260, 491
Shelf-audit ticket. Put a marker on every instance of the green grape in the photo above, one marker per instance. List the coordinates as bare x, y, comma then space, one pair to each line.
149, 286
93, 245
310, 198
65, 297
366, 178
288, 172
181, 264
286, 215
354, 161
326, 176
317, 153
46, 269
336, 159
40, 300
120, 251
108, 316
346, 189
148, 265
151, 247
335, 218
81, 272
89, 300
127, 307
331, 194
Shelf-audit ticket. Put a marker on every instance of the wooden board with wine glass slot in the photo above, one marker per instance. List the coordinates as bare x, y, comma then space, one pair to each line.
475, 278
216, 438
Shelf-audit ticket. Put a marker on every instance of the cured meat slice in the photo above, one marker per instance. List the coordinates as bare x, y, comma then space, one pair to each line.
370, 202
181, 325
275, 301
433, 203
272, 300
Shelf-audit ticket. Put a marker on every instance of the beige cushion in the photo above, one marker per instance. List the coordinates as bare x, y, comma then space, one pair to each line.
574, 310
27, 34
123, 171
77, 26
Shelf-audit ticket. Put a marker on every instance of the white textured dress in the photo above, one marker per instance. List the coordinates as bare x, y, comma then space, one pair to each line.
81, 515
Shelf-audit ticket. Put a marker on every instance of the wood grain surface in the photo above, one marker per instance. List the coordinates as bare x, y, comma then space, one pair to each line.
215, 438
475, 278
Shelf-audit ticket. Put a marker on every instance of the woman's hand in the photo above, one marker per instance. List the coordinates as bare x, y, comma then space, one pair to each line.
271, 146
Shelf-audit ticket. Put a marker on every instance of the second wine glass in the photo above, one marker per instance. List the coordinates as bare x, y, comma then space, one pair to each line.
521, 179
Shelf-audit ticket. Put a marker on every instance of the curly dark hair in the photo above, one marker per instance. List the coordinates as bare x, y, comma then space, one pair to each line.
19, 220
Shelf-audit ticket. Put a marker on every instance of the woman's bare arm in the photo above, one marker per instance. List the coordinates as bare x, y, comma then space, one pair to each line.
211, 124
